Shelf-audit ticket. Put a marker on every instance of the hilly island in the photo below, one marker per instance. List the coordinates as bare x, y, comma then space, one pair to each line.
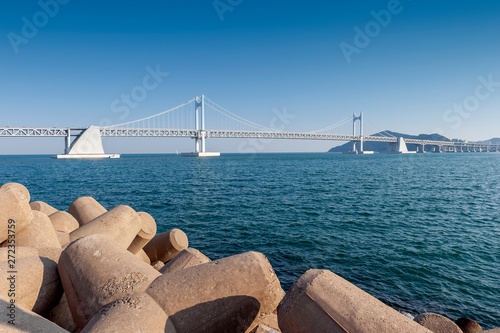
381, 147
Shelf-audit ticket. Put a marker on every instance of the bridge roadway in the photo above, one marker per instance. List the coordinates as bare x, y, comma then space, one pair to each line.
118, 132
192, 133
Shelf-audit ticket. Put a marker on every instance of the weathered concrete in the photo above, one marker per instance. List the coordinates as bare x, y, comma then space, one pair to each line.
95, 271
143, 256
20, 252
43, 207
14, 210
186, 258
225, 295
39, 233
261, 328
148, 231
136, 313
63, 238
53, 253
269, 321
468, 325
61, 315
167, 245
37, 283
121, 224
64, 221
321, 301
25, 320
86, 209
157, 264
20, 187
437, 323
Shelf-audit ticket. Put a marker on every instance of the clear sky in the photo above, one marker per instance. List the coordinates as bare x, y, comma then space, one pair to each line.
416, 66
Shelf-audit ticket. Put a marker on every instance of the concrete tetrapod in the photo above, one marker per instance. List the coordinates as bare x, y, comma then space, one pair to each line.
121, 224
61, 315
95, 271
264, 329
167, 245
157, 265
136, 313
64, 221
63, 238
86, 209
225, 295
186, 258
321, 301
39, 233
24, 320
43, 207
148, 231
437, 323
53, 253
15, 212
20, 252
271, 321
20, 187
36, 284
143, 256
468, 325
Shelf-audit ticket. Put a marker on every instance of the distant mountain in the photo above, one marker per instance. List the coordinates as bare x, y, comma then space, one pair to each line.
384, 146
493, 141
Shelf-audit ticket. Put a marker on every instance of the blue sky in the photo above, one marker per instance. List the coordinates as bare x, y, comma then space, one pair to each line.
422, 67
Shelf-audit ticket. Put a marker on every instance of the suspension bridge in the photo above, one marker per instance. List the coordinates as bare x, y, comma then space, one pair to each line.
202, 119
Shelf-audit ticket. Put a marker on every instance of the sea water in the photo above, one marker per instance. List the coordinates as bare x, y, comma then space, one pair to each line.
420, 232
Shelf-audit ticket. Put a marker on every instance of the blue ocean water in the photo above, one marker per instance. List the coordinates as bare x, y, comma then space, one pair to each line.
419, 232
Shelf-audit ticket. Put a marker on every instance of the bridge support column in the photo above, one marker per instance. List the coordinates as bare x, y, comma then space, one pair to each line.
399, 147
197, 127
67, 141
202, 123
203, 149
88, 145
361, 133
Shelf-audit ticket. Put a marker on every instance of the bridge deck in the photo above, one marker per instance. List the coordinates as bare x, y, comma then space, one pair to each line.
123, 132
193, 133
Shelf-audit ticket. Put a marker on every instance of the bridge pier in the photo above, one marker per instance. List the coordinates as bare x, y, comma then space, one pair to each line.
67, 140
87, 145
399, 147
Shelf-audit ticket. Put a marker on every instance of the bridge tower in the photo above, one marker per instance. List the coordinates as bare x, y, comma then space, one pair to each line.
201, 134
359, 118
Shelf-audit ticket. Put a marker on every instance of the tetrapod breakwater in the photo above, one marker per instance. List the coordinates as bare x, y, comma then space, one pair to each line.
91, 269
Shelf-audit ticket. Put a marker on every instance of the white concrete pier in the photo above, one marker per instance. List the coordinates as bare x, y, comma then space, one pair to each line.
201, 154
88, 145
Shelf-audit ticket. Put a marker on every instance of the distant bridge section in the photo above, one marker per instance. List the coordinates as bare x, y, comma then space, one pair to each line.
201, 119
34, 131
